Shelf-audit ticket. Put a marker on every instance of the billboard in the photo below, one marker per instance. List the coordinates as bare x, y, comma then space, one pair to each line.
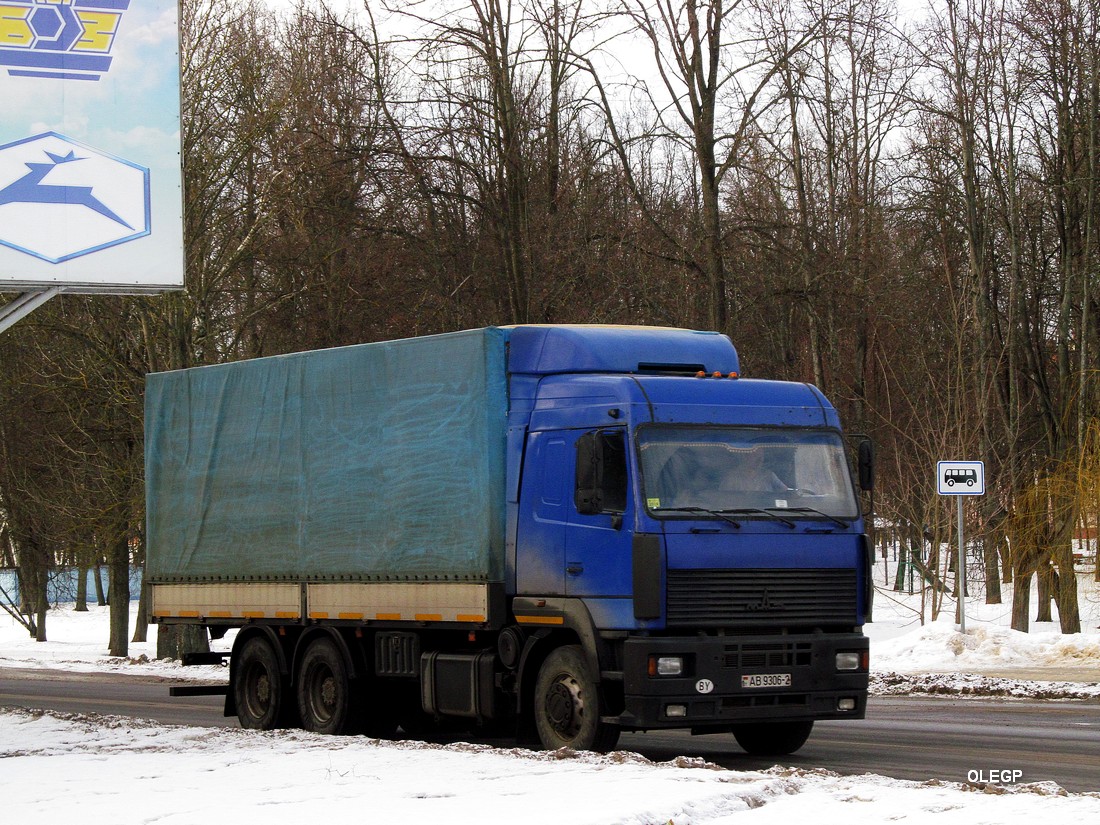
91, 189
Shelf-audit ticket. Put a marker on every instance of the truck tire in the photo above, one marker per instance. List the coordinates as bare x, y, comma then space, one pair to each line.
324, 690
772, 738
567, 704
259, 689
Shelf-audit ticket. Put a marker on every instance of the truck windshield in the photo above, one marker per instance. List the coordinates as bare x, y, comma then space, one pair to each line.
745, 471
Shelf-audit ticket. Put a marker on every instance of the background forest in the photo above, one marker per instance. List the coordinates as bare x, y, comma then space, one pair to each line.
901, 210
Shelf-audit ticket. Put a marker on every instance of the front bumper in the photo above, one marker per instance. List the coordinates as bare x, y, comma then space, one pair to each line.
710, 693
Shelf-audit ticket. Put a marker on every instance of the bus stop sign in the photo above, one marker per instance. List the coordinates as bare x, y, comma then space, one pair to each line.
960, 478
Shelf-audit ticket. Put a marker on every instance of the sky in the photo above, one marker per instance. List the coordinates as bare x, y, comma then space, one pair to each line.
125, 770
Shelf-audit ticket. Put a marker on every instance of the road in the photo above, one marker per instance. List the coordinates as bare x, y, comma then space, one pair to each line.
915, 738
924, 738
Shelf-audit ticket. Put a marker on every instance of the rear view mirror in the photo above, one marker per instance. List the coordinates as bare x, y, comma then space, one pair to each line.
866, 464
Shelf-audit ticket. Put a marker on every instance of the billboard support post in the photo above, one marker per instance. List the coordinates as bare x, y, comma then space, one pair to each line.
24, 305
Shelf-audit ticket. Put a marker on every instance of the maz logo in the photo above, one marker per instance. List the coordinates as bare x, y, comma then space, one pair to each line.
765, 605
66, 39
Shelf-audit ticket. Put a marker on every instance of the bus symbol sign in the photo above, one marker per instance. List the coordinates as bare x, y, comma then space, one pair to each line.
960, 478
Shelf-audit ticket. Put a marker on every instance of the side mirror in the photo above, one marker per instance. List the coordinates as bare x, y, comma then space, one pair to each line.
866, 464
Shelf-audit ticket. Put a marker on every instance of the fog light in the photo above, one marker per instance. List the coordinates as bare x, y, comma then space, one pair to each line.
676, 710
846, 704
847, 661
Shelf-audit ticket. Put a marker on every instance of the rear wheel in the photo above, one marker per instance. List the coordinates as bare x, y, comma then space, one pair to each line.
259, 689
772, 738
324, 689
567, 704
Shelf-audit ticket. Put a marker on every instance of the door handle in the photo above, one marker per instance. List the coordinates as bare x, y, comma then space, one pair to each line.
574, 569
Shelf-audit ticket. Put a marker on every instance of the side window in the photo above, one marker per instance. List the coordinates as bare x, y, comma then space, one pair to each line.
614, 472
601, 476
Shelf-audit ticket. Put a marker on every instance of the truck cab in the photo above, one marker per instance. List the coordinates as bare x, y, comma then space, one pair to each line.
701, 530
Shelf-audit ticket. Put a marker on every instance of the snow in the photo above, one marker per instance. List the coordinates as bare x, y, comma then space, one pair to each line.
990, 658
126, 770
129, 771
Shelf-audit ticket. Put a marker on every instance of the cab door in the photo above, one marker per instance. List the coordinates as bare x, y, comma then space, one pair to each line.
598, 538
544, 508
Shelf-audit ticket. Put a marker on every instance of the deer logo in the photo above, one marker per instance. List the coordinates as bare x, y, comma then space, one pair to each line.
31, 189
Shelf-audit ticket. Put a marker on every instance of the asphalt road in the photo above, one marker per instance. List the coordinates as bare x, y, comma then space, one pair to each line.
916, 738
922, 738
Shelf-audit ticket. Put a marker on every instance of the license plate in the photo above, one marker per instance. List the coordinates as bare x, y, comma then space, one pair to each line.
766, 680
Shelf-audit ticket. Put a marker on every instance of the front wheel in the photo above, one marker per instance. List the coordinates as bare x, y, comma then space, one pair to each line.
567, 704
772, 738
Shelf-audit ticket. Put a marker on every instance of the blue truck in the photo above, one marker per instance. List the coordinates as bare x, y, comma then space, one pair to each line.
564, 532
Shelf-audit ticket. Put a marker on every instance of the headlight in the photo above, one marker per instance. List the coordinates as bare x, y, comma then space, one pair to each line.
847, 661
666, 665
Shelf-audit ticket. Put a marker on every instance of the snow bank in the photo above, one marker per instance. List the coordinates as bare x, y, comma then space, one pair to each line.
77, 642
128, 771
940, 646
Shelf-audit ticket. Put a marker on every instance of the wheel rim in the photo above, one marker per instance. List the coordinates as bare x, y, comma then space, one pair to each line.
565, 706
258, 692
323, 693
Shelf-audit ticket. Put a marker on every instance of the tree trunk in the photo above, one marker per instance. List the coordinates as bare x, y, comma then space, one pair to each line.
41, 600
1046, 592
992, 570
885, 558
32, 578
100, 597
1021, 600
141, 624
992, 540
118, 568
931, 565
81, 589
1065, 591
899, 577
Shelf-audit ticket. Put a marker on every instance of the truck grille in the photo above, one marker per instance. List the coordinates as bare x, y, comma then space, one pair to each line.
761, 598
768, 654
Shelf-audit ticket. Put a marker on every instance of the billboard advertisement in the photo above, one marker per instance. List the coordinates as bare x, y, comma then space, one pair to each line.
91, 193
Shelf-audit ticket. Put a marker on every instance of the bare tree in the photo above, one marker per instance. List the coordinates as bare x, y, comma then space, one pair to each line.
713, 74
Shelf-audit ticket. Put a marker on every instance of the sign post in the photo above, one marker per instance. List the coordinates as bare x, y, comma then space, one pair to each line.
961, 478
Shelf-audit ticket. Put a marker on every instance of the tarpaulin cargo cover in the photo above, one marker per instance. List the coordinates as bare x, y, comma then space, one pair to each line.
371, 462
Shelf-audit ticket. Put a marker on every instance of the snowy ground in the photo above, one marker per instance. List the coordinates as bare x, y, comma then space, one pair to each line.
126, 770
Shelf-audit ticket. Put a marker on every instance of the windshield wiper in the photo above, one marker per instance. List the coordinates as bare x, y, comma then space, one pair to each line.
763, 512
833, 519
722, 514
